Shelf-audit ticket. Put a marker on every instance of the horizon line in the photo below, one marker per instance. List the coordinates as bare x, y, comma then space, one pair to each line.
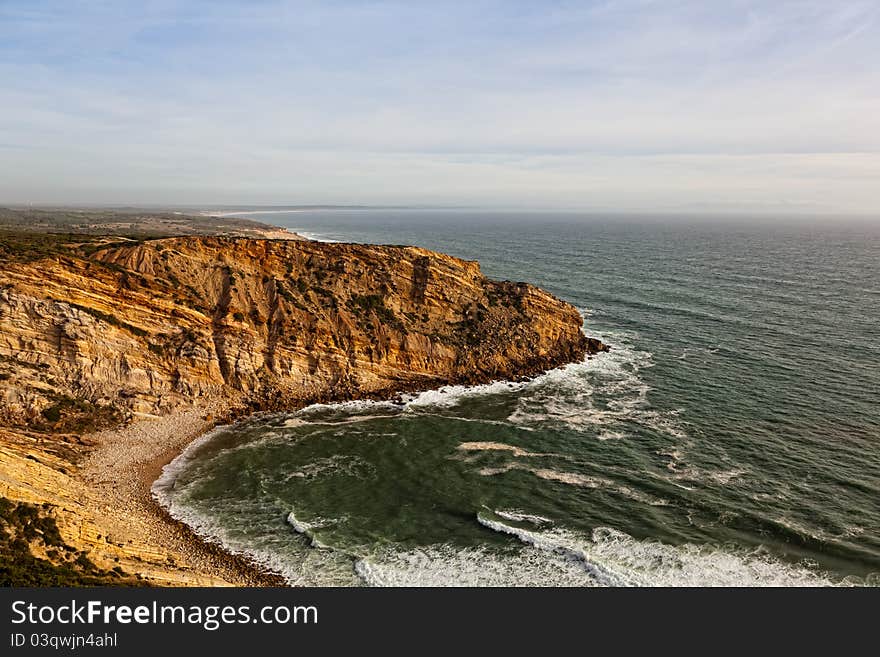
282, 207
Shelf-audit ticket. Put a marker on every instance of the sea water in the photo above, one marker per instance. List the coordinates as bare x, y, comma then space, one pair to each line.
730, 437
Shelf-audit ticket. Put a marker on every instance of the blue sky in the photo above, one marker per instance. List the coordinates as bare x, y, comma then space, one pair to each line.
628, 105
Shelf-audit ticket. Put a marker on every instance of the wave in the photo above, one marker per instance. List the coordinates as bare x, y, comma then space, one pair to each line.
546, 555
299, 526
476, 420
555, 557
308, 564
552, 543
352, 407
564, 396
482, 446
272, 550
246, 212
577, 479
521, 516
567, 396
344, 464
163, 487
606, 434
614, 558
450, 566
449, 396
307, 530
316, 237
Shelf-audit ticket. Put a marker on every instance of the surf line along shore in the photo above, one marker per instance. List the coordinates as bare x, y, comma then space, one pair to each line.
136, 455
182, 333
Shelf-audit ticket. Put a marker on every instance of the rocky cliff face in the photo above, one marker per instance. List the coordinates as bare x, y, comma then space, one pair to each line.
93, 330
150, 326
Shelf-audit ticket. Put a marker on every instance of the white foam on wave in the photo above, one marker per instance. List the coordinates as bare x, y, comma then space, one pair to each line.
348, 420
298, 525
560, 547
683, 472
518, 515
482, 446
572, 478
563, 396
307, 530
576, 479
348, 465
615, 558
449, 396
353, 407
449, 566
566, 396
557, 557
164, 485
317, 237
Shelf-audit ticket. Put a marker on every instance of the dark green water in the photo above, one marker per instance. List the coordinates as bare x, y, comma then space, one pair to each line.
732, 435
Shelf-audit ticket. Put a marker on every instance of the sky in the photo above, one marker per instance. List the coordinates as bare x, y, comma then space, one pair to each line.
621, 105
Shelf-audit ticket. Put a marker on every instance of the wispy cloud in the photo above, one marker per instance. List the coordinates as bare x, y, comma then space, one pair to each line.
630, 104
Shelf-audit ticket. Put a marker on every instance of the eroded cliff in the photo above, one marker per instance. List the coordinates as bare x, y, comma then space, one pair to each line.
148, 326
180, 332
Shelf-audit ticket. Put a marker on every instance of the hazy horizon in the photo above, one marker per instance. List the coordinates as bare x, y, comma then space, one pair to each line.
624, 106
242, 209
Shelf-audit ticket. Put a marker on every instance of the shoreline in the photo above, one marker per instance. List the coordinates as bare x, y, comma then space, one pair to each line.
107, 508
246, 566
135, 455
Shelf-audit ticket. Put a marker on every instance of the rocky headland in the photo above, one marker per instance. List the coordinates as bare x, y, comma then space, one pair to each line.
116, 352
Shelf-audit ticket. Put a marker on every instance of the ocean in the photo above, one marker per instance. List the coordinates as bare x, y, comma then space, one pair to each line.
730, 437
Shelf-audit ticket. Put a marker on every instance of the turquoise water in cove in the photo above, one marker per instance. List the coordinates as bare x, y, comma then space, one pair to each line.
731, 436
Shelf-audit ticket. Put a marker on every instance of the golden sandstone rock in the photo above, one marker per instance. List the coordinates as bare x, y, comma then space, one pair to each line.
144, 329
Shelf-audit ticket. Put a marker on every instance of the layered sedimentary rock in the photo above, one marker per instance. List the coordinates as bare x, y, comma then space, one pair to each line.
148, 326
95, 332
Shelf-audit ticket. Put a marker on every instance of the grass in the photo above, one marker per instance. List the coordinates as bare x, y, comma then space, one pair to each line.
133, 221
20, 246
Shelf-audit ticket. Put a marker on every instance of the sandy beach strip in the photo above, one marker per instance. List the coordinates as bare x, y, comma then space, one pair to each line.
120, 470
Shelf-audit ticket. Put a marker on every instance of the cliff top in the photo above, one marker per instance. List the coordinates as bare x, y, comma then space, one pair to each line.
132, 222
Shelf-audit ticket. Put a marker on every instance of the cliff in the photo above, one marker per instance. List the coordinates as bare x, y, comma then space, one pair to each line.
148, 326
178, 332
